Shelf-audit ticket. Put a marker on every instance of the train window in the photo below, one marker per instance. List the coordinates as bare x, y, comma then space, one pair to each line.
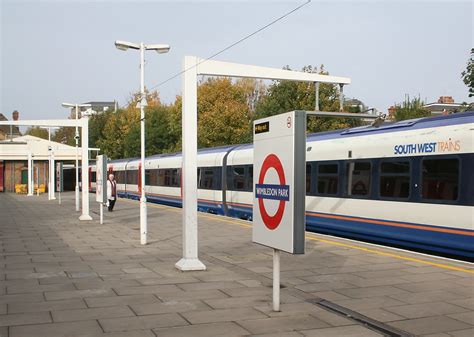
120, 177
167, 177
308, 178
152, 179
147, 177
328, 179
206, 180
175, 178
132, 177
170, 177
395, 179
358, 178
236, 178
440, 179
250, 178
209, 178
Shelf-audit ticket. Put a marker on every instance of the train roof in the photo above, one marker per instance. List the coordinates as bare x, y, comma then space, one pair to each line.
410, 124
124, 160
218, 149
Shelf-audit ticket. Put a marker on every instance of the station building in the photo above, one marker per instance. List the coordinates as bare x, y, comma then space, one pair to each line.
14, 162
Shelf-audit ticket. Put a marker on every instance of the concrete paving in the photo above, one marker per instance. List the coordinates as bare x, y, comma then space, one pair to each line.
64, 278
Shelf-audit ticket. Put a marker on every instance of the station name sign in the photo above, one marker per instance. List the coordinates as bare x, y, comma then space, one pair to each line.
279, 182
271, 191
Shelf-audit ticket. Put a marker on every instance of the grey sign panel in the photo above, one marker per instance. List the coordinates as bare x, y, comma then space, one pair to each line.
101, 179
279, 181
59, 177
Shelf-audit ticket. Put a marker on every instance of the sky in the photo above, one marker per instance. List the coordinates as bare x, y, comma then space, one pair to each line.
63, 51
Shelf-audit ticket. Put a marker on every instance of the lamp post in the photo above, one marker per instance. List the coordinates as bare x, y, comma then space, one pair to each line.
50, 164
76, 137
161, 49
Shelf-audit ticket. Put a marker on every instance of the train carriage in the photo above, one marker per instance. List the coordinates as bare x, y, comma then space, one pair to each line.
409, 184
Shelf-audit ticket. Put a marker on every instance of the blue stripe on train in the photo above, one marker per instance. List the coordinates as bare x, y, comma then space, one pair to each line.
446, 243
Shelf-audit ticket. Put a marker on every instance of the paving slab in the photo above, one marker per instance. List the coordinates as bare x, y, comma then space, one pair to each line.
69, 329
226, 329
62, 277
141, 322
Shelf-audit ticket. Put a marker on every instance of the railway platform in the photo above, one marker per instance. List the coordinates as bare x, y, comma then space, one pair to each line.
61, 277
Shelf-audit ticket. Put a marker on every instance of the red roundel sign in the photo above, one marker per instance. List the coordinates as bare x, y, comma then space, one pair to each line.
272, 191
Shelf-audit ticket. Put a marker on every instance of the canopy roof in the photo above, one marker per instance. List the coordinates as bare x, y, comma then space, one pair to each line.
20, 147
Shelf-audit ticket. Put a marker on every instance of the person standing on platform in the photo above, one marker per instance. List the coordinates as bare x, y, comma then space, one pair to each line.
111, 192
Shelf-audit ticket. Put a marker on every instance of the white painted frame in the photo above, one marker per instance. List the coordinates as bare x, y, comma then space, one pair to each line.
192, 67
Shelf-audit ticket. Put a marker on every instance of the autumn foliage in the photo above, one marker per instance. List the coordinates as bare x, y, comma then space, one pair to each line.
226, 111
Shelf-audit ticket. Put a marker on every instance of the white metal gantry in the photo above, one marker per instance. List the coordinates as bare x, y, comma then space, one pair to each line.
192, 67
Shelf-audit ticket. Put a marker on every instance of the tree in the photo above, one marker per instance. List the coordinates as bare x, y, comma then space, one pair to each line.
175, 125
65, 135
223, 114
118, 134
116, 129
158, 135
283, 96
468, 74
37, 132
410, 108
97, 124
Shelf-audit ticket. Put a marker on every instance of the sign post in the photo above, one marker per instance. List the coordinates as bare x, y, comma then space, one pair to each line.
37, 181
279, 191
59, 179
101, 184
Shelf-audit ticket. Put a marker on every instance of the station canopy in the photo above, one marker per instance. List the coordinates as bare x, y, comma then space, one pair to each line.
19, 148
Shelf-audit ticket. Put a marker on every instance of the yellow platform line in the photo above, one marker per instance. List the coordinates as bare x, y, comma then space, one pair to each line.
335, 243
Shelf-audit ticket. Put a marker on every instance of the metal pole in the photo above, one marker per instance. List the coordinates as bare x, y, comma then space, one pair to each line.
341, 97
316, 96
77, 161
44, 175
59, 198
50, 149
85, 168
101, 213
276, 280
53, 177
37, 181
143, 209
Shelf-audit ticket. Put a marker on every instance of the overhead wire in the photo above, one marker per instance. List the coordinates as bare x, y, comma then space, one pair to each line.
232, 45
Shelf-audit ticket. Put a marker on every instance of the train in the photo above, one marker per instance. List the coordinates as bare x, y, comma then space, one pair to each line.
407, 184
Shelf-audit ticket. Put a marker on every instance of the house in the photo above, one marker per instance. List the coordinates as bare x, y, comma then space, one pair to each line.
444, 106
8, 131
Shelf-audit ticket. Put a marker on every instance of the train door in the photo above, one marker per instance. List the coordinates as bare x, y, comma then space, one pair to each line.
239, 185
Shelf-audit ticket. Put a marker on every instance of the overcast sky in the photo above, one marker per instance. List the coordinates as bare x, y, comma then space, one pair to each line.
56, 51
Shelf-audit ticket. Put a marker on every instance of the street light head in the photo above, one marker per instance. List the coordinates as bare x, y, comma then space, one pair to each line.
71, 105
160, 48
124, 45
